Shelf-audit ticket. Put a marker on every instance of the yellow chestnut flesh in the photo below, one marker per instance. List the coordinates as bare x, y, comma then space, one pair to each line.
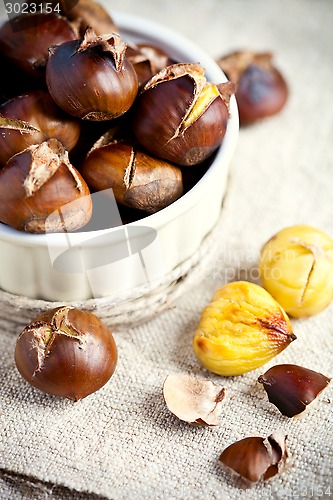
296, 267
241, 329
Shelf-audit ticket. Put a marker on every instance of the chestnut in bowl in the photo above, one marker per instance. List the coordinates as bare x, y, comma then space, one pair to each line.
116, 260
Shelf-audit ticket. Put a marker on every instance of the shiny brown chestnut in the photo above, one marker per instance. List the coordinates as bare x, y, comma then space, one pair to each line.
66, 352
147, 60
291, 388
40, 191
138, 180
255, 458
88, 13
27, 48
91, 77
261, 89
45, 120
181, 117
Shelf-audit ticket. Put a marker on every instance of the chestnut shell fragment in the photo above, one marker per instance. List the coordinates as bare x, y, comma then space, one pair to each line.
66, 352
255, 458
195, 401
291, 387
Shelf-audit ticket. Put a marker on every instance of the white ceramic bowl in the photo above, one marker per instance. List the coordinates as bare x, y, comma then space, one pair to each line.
85, 265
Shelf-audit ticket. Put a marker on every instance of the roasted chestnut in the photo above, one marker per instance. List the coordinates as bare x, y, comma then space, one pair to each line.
261, 89
137, 179
28, 48
180, 116
44, 119
90, 78
66, 352
40, 191
88, 13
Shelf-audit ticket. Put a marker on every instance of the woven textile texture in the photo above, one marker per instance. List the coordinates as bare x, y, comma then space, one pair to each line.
122, 442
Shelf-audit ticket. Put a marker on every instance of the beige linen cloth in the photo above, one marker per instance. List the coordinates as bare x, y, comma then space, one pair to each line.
122, 442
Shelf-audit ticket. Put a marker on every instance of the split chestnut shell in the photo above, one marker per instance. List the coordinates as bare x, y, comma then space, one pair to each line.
291, 388
255, 458
181, 117
40, 191
42, 120
66, 352
138, 180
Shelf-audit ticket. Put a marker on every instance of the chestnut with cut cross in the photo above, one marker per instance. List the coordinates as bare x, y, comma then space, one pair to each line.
66, 352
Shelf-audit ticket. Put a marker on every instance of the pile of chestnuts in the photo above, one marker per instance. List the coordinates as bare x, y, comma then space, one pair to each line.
85, 112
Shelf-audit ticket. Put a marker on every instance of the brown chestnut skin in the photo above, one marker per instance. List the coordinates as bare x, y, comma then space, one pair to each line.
28, 48
88, 13
256, 458
91, 78
165, 104
137, 179
38, 109
66, 352
147, 60
13, 84
291, 387
39, 184
261, 89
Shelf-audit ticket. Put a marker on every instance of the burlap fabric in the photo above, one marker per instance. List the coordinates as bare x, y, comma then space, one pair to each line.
122, 442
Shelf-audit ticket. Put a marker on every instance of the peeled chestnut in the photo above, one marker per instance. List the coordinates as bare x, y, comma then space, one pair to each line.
180, 116
261, 89
147, 60
137, 179
45, 120
88, 13
66, 352
40, 191
90, 78
27, 47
